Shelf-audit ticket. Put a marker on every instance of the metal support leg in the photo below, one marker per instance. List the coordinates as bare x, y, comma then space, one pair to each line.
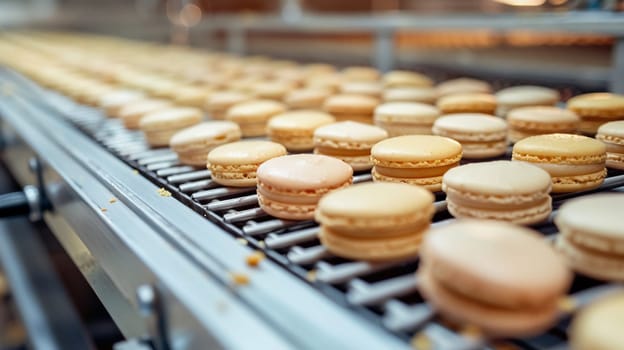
617, 66
384, 50
236, 41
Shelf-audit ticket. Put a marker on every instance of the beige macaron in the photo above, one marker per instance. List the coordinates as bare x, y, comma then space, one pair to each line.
252, 116
592, 235
467, 103
366, 88
295, 129
481, 135
415, 159
307, 98
194, 143
596, 109
113, 101
235, 164
599, 325
517, 192
360, 73
218, 103
406, 118
348, 141
503, 279
132, 113
403, 78
359, 108
191, 96
575, 162
160, 126
462, 86
612, 135
271, 90
524, 96
426, 95
537, 120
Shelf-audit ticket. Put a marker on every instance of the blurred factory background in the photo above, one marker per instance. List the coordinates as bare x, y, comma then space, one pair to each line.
537, 41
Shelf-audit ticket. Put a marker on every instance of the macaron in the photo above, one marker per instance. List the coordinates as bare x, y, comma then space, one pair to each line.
289, 187
366, 88
194, 143
307, 98
481, 135
574, 162
271, 90
295, 129
462, 86
538, 120
599, 325
403, 78
235, 164
218, 103
415, 159
591, 235
113, 101
132, 113
348, 141
504, 279
191, 96
161, 125
467, 103
517, 192
359, 108
252, 116
426, 95
524, 96
612, 135
596, 109
360, 73
406, 118
375, 221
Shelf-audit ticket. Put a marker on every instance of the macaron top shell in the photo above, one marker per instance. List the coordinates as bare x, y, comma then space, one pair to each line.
499, 178
405, 78
599, 325
598, 215
361, 73
597, 101
255, 110
406, 111
306, 95
118, 97
527, 94
561, 145
542, 115
412, 93
171, 118
515, 261
376, 200
418, 148
304, 172
143, 106
471, 123
246, 152
224, 99
613, 129
466, 98
300, 120
462, 85
350, 132
212, 132
371, 88
350, 103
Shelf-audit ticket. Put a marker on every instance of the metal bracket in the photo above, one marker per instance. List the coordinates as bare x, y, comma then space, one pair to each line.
152, 310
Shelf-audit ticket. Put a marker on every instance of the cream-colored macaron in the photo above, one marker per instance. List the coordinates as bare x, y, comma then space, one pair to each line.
467, 103
252, 116
403, 78
360, 73
599, 325
612, 135
481, 135
524, 96
219, 102
411, 94
307, 98
462, 86
596, 109
537, 120
194, 143
295, 129
161, 125
366, 88
406, 118
359, 108
348, 141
